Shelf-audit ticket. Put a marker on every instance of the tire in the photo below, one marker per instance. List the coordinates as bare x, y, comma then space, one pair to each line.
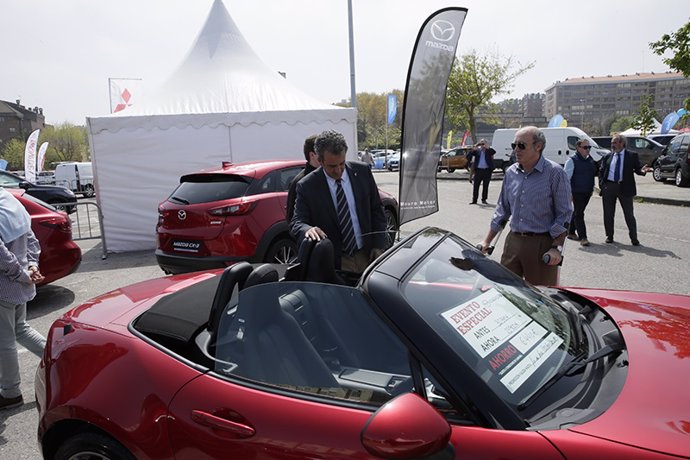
62, 207
282, 251
391, 227
89, 192
450, 170
656, 174
92, 446
681, 181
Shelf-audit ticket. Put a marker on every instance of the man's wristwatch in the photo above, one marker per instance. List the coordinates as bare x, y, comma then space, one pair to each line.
558, 248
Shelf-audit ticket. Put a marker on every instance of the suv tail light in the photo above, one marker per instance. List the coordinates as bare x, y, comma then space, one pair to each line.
233, 209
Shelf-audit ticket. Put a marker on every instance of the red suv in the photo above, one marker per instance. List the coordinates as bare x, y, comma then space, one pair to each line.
218, 217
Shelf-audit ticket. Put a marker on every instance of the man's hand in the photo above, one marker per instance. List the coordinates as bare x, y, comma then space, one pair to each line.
375, 254
316, 234
555, 256
483, 247
35, 275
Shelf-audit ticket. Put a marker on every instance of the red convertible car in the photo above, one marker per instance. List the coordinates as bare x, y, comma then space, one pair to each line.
436, 352
60, 256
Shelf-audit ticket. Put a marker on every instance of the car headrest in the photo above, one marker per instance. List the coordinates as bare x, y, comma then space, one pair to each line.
265, 273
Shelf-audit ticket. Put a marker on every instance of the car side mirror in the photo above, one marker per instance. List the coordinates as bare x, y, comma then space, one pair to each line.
25, 185
407, 427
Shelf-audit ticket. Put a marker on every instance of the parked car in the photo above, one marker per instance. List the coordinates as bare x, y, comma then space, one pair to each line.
60, 197
455, 159
674, 161
662, 139
76, 176
436, 352
45, 178
647, 150
393, 162
603, 141
60, 256
221, 216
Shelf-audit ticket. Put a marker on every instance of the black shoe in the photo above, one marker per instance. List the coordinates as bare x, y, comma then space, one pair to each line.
635, 242
484, 202
473, 202
573, 236
609, 239
9, 403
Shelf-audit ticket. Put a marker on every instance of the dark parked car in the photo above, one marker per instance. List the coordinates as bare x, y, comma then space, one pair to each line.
60, 255
603, 141
437, 352
647, 150
674, 162
60, 197
662, 139
218, 217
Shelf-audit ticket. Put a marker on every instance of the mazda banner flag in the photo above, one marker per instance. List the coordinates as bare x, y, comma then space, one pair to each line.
423, 107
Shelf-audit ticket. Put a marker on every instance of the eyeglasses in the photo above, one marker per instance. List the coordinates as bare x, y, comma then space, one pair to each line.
519, 145
586, 147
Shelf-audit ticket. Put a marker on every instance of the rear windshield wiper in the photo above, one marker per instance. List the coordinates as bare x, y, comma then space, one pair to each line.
179, 200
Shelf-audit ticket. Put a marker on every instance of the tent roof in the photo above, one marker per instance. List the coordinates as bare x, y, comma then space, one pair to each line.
222, 74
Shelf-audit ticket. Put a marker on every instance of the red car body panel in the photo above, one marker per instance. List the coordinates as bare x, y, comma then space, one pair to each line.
60, 256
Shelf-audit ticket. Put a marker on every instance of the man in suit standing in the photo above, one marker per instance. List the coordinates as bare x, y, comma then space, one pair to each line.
617, 182
482, 159
340, 201
311, 165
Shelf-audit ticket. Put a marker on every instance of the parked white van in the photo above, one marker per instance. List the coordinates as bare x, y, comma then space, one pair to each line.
76, 176
560, 145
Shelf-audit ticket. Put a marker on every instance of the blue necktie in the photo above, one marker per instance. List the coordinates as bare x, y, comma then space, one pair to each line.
617, 172
347, 232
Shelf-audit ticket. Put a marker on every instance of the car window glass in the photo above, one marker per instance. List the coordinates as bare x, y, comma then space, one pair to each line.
312, 338
286, 177
206, 188
572, 142
7, 180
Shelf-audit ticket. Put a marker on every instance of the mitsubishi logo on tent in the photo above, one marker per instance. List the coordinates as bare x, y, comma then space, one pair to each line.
125, 96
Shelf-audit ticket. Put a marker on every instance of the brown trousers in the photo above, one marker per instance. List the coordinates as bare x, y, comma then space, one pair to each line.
522, 256
355, 263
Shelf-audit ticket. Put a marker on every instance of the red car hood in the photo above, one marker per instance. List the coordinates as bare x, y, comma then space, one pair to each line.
653, 410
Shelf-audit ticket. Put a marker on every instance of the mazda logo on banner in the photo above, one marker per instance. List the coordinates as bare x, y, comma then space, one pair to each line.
442, 30
181, 214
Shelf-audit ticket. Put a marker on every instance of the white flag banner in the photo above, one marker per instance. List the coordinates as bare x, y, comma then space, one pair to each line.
123, 93
41, 161
30, 157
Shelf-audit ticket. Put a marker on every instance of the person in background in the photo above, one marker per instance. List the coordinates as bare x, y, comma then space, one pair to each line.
617, 182
536, 197
312, 164
368, 158
581, 170
340, 201
482, 160
19, 274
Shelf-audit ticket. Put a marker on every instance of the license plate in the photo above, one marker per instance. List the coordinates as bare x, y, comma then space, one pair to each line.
186, 246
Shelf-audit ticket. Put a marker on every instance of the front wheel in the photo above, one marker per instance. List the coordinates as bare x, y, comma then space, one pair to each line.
656, 174
92, 446
283, 251
391, 227
681, 181
450, 170
89, 192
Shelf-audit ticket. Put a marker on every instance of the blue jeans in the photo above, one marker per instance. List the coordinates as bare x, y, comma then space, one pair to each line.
13, 329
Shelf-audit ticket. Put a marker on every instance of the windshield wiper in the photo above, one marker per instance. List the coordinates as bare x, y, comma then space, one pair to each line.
179, 200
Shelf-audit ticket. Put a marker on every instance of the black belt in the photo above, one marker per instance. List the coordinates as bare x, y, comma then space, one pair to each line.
531, 234
614, 182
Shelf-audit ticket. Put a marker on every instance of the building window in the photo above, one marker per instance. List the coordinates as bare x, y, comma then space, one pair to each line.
12, 130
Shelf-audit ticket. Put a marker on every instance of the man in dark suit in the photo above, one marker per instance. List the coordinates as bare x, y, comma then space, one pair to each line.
340, 201
311, 165
617, 182
482, 159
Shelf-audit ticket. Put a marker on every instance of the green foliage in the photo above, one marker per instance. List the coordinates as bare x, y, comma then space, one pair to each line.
644, 120
66, 142
621, 124
474, 81
372, 119
13, 152
679, 45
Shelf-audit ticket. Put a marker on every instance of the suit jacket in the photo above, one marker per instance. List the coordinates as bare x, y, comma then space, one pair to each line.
631, 164
474, 156
314, 207
292, 191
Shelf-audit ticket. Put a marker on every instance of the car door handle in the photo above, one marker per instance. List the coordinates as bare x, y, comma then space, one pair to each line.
212, 421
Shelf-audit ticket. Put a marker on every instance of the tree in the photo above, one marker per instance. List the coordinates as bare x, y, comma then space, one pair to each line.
679, 44
372, 120
621, 124
644, 121
66, 142
13, 152
474, 81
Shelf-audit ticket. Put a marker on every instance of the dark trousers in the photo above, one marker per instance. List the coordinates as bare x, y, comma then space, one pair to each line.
610, 192
522, 255
580, 202
481, 176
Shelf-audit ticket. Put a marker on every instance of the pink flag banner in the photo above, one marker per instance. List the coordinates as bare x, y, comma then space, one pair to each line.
123, 93
40, 162
30, 157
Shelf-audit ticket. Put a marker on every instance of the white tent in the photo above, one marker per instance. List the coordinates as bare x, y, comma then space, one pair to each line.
656, 130
222, 104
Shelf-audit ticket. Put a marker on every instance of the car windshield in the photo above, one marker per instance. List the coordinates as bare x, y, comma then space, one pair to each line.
513, 336
206, 188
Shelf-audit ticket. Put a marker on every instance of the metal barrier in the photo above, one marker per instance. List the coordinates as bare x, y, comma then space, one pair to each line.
84, 219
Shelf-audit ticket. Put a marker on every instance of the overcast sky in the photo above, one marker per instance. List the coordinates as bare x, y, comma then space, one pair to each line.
59, 54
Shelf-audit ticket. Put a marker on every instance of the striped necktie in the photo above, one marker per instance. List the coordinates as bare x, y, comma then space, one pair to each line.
617, 172
347, 232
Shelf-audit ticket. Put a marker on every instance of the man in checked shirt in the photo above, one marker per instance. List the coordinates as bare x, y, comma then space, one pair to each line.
536, 197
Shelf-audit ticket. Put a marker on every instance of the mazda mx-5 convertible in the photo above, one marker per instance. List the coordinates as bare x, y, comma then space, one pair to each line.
435, 352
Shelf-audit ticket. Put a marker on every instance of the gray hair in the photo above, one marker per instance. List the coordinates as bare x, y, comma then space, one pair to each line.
537, 136
331, 141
